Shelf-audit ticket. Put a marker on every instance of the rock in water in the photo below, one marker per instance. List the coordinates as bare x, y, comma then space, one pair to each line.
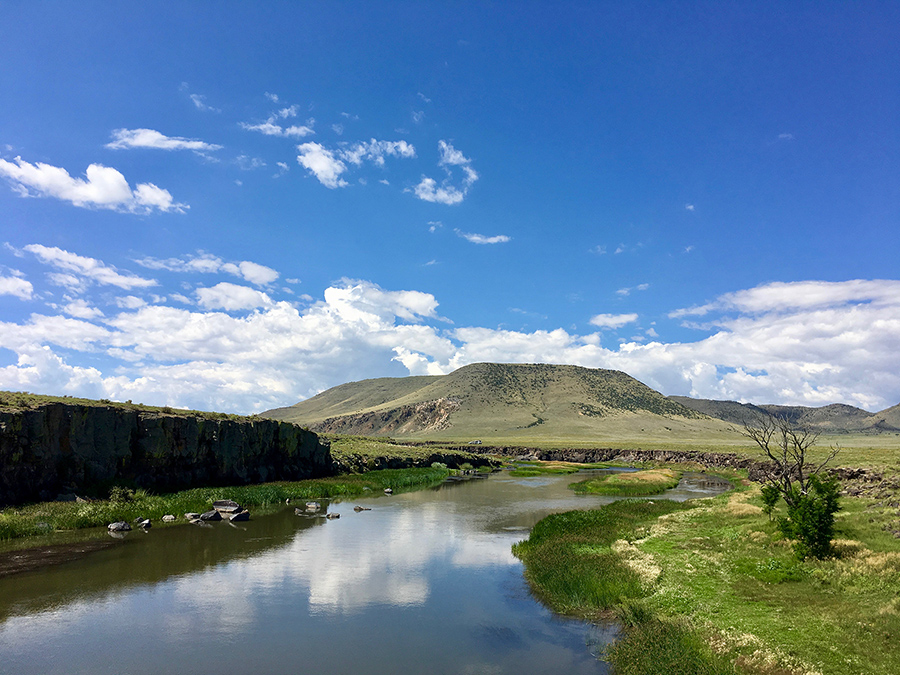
145, 524
211, 515
240, 516
333, 515
226, 506
168, 519
120, 526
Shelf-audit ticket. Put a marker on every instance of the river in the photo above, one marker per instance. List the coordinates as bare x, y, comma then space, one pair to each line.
424, 582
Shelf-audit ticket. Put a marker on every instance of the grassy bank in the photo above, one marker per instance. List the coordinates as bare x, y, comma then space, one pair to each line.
631, 484
709, 586
40, 519
362, 453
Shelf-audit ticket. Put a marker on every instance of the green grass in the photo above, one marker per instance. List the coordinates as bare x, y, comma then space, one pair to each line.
361, 453
529, 469
631, 484
718, 587
570, 562
41, 519
20, 400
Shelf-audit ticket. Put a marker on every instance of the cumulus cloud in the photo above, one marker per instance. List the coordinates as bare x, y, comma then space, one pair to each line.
375, 151
102, 188
322, 164
16, 286
482, 239
237, 348
80, 309
429, 190
273, 127
613, 320
148, 138
231, 297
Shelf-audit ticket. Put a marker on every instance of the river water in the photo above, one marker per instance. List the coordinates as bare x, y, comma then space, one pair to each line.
424, 582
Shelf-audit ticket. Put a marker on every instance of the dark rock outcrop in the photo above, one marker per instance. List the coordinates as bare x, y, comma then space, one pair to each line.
58, 447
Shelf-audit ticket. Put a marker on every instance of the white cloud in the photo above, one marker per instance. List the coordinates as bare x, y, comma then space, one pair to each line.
446, 193
200, 103
206, 263
80, 309
482, 239
271, 127
132, 302
236, 348
148, 138
322, 163
290, 111
255, 273
785, 137
781, 296
627, 291
375, 151
231, 297
428, 190
103, 187
16, 286
81, 269
247, 163
613, 320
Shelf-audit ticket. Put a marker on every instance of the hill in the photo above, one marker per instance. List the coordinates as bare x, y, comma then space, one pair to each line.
836, 418
489, 400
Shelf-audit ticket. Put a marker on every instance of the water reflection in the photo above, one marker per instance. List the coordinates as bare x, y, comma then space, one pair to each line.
424, 582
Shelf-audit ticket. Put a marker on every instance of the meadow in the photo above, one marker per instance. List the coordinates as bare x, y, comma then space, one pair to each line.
711, 586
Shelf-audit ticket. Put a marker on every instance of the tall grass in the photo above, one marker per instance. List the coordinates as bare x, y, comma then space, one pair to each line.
670, 647
636, 484
38, 519
569, 561
572, 564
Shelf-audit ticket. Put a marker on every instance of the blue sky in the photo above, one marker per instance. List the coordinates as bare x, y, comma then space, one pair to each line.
232, 206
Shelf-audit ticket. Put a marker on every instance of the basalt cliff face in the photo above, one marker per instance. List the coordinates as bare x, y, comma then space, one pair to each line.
58, 448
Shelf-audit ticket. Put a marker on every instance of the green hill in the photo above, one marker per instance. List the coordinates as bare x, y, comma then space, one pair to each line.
522, 403
833, 419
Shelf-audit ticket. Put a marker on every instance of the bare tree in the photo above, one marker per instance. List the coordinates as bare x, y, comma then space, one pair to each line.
790, 474
786, 446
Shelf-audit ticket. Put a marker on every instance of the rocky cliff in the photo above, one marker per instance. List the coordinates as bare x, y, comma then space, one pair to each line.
57, 447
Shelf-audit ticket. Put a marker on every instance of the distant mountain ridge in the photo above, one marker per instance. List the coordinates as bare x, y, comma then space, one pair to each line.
834, 418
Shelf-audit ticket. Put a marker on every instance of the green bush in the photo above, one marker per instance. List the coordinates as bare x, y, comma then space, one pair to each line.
810, 518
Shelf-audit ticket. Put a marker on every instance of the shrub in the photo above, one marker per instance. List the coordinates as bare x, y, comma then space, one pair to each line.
810, 518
